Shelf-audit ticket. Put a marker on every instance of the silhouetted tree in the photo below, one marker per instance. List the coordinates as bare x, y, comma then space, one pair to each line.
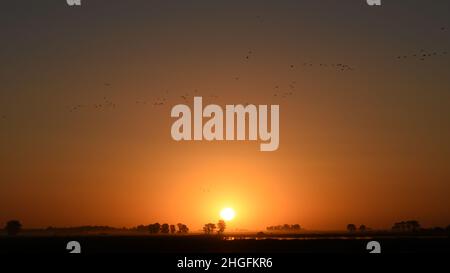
142, 228
165, 228
407, 226
182, 228
154, 228
362, 228
351, 228
208, 228
285, 227
212, 227
13, 227
221, 226
399, 226
438, 229
172, 229
413, 225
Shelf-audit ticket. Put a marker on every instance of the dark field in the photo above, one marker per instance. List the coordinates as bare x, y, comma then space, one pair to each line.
305, 243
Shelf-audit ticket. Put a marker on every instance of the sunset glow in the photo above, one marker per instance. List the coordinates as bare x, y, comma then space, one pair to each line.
86, 125
227, 214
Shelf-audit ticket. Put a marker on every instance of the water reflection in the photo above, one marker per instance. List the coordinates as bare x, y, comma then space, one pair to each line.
332, 237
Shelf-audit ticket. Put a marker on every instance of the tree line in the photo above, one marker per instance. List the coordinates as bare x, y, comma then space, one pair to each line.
403, 226
210, 227
163, 228
13, 227
285, 227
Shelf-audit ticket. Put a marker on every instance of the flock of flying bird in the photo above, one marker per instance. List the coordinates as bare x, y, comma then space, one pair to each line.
422, 55
186, 97
284, 94
159, 101
279, 92
104, 105
335, 66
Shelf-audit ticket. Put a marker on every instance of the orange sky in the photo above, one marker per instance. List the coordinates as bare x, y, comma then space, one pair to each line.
368, 145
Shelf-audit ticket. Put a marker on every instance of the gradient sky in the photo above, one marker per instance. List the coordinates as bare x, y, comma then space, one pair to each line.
367, 145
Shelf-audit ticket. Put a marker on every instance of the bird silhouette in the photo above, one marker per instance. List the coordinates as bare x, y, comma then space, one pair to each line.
421, 55
76, 108
335, 66
103, 105
160, 101
284, 94
249, 53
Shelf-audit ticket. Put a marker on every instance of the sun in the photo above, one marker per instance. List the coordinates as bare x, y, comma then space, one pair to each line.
227, 214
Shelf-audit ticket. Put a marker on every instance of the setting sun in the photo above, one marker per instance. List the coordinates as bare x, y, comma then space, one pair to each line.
227, 214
